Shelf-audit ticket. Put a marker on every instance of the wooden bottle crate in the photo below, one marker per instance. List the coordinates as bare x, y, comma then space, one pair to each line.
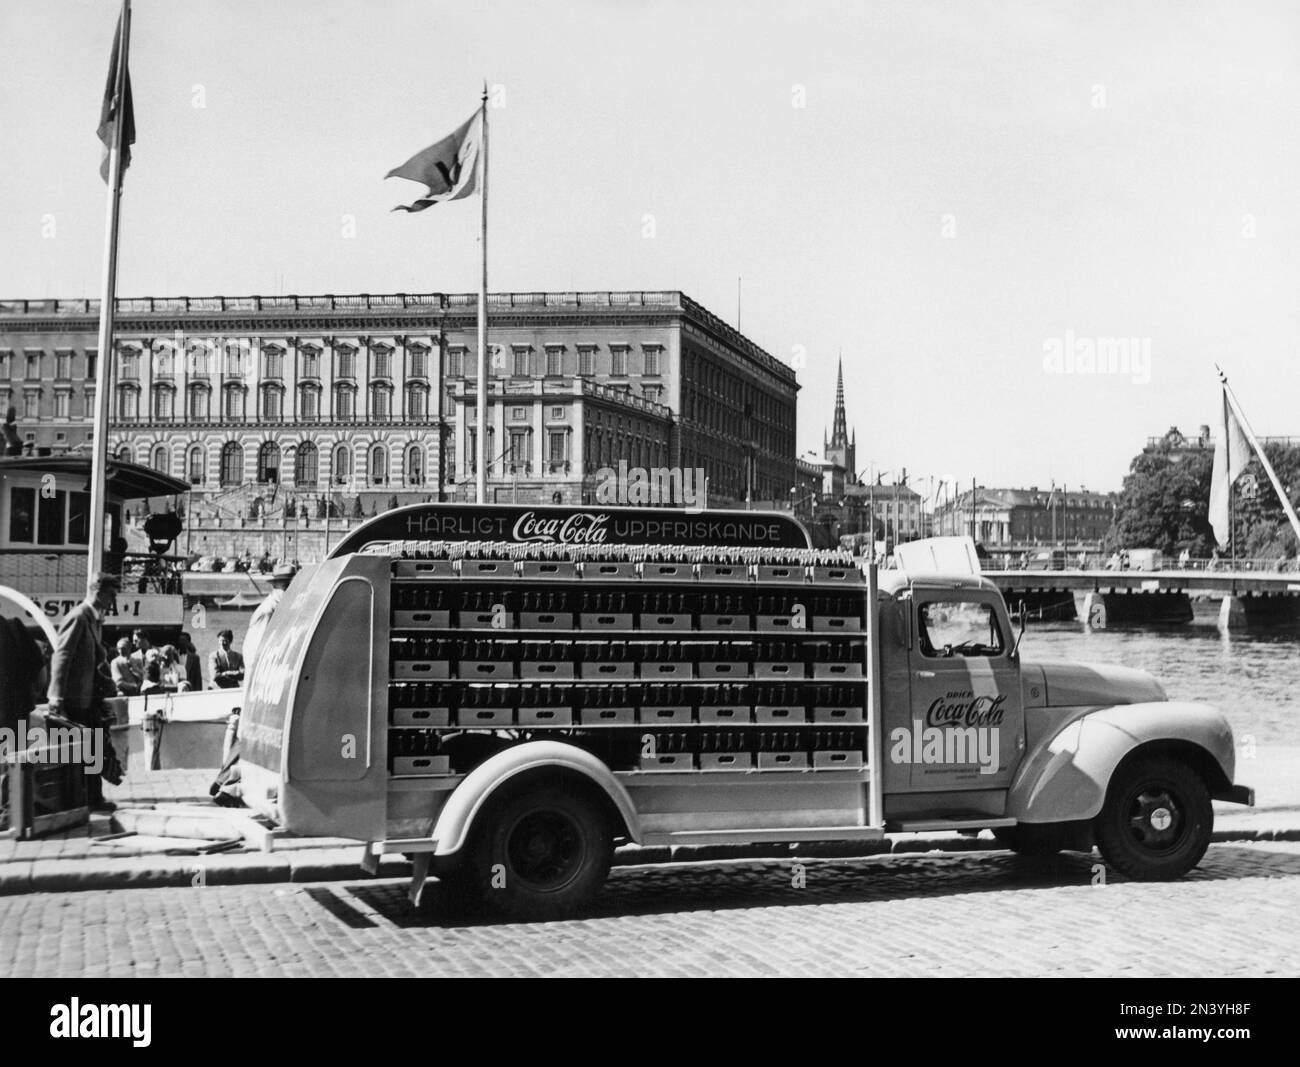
607, 716
783, 624
485, 716
608, 670
853, 713
723, 669
546, 620
421, 766
487, 568
779, 669
838, 575
830, 671
783, 761
663, 672
664, 715
841, 624
657, 622
421, 716
726, 761
766, 572
420, 669
732, 622
545, 716
837, 761
602, 571
605, 620
769, 713
432, 620
668, 572
485, 670
546, 672
548, 568
724, 714
723, 572
424, 568
676, 761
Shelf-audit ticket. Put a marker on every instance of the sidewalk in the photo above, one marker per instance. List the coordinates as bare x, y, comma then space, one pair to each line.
166, 831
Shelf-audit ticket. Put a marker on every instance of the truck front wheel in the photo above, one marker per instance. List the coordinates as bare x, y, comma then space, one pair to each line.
538, 855
1156, 822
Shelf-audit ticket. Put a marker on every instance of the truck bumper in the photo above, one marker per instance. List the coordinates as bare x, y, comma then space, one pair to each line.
1237, 794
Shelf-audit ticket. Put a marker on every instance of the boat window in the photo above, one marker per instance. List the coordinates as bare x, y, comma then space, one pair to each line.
78, 518
22, 510
51, 519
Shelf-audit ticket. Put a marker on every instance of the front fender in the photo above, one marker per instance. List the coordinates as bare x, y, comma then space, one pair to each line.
1064, 777
468, 798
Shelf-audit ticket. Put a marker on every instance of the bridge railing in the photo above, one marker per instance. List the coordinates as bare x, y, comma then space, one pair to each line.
1094, 561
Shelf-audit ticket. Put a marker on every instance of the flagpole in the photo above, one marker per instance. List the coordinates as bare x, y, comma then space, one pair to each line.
480, 481
99, 436
1287, 506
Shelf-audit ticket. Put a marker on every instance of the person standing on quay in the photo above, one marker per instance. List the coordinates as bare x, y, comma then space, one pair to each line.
226, 664
192, 661
280, 579
79, 678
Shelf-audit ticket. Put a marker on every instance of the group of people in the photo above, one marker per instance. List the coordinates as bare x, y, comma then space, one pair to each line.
139, 667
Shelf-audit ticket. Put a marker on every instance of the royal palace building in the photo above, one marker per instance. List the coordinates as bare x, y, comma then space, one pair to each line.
329, 401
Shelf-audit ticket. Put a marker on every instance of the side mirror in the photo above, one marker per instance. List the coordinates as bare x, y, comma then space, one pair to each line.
1020, 630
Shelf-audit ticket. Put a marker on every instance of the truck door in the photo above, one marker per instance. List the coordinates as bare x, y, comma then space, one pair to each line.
967, 723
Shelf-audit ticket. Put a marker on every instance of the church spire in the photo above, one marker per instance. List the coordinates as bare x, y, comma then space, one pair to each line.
839, 428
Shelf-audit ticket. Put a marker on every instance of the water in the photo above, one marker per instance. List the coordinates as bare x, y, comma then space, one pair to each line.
1252, 676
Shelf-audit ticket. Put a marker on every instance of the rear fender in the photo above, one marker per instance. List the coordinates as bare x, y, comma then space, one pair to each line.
1064, 779
495, 773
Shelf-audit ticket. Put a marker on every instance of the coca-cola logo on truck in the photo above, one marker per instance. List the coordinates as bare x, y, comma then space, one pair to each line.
966, 710
576, 529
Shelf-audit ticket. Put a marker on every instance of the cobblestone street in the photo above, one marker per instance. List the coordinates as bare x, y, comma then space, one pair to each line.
952, 915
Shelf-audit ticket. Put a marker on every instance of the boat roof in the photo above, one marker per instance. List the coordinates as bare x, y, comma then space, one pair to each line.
126, 481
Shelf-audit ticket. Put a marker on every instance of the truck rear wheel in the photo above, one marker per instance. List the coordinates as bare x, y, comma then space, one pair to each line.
1156, 822
540, 854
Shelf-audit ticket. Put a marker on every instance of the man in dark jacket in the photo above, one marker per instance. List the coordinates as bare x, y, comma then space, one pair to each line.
79, 675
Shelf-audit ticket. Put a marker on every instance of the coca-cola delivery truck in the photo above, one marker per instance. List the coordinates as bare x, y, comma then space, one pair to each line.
506, 693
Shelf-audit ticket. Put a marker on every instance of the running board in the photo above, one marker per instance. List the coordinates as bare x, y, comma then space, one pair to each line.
913, 826
743, 837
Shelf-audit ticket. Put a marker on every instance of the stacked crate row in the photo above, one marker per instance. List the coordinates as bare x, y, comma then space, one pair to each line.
646, 663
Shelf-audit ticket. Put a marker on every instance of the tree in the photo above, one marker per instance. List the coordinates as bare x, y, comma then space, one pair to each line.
1165, 504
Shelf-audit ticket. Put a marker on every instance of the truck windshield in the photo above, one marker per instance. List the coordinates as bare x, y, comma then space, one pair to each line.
959, 627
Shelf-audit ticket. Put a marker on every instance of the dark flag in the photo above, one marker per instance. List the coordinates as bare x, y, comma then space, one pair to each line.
117, 107
449, 168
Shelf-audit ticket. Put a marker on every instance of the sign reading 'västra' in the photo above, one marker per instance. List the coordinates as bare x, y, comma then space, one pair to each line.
577, 526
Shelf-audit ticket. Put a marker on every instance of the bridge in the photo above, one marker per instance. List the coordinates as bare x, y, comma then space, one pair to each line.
1255, 596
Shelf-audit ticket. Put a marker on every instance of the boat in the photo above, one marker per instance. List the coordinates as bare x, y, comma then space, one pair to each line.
242, 600
45, 534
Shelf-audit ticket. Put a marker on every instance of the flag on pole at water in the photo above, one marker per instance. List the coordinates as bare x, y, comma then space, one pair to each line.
117, 106
1231, 455
448, 168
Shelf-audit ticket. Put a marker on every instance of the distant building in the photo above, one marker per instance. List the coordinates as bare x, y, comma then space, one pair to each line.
1026, 518
253, 400
1179, 444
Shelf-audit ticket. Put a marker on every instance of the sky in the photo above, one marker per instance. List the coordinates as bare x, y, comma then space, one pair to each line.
963, 198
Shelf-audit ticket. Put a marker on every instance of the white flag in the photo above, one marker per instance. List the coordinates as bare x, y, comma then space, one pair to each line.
449, 168
1231, 455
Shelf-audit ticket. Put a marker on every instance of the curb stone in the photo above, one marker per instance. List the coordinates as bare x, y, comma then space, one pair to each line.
343, 864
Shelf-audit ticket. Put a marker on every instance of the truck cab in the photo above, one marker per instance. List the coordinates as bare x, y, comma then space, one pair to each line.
508, 692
